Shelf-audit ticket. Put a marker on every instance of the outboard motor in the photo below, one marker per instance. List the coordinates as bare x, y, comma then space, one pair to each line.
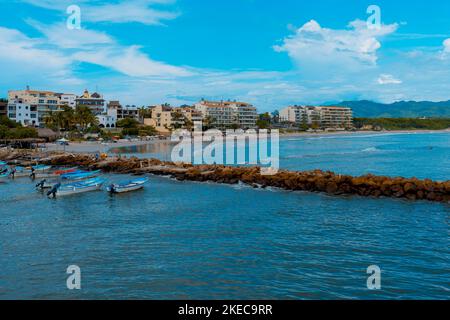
40, 185
111, 189
54, 190
33, 174
13, 172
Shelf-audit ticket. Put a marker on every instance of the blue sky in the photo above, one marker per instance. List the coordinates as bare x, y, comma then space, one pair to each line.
270, 53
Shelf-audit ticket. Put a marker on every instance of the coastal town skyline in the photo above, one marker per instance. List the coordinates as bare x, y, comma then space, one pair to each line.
283, 55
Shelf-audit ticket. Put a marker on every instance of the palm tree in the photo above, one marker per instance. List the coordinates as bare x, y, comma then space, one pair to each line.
84, 117
143, 113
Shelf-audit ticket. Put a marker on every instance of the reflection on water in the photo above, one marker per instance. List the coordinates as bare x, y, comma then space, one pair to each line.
421, 155
158, 150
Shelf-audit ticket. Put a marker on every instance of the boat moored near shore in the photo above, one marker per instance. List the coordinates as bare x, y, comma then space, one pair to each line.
60, 190
128, 186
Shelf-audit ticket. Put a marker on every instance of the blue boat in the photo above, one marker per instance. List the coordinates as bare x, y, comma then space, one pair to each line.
128, 186
80, 175
41, 167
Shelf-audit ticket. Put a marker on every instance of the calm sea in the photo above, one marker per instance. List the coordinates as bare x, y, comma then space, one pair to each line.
183, 240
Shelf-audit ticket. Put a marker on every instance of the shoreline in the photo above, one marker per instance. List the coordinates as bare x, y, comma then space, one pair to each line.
99, 147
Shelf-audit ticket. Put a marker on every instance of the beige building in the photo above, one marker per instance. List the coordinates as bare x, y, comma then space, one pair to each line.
161, 119
336, 117
30, 107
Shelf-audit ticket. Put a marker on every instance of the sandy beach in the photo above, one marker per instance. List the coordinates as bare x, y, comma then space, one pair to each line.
102, 147
97, 147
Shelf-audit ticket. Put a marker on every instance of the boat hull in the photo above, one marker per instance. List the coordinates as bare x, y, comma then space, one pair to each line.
125, 189
66, 191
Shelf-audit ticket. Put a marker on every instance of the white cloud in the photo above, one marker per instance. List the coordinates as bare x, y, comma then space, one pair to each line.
61, 36
447, 45
140, 11
21, 56
129, 61
99, 48
313, 46
384, 79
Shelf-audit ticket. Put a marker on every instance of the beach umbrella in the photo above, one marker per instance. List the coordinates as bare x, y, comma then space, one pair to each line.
63, 141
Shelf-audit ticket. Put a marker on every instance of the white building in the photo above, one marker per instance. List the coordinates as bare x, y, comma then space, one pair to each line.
108, 119
228, 114
293, 114
68, 99
39, 104
325, 117
23, 113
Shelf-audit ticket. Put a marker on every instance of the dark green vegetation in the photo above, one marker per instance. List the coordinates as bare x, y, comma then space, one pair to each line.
403, 123
12, 130
131, 127
401, 109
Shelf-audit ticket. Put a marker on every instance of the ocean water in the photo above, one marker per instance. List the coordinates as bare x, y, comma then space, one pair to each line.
186, 240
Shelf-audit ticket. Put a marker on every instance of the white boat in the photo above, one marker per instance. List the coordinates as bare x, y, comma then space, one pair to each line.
76, 188
129, 186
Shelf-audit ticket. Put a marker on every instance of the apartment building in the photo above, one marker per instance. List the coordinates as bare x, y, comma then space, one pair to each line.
190, 114
94, 102
336, 117
228, 114
319, 116
293, 114
67, 99
161, 119
131, 112
30, 107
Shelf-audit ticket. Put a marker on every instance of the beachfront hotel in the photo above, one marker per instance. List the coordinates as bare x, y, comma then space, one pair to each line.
326, 117
29, 107
228, 114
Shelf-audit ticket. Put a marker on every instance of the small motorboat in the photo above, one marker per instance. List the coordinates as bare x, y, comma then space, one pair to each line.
20, 172
80, 175
41, 168
60, 190
128, 186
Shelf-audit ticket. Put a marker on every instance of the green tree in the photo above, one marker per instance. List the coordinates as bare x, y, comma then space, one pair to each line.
127, 123
178, 120
208, 123
147, 131
84, 117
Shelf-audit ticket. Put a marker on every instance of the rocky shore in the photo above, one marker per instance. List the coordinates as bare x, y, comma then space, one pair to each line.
312, 181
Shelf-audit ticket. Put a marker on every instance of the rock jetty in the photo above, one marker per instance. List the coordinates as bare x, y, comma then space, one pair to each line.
312, 181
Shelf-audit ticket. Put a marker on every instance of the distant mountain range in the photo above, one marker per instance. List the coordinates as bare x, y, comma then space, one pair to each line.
401, 109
